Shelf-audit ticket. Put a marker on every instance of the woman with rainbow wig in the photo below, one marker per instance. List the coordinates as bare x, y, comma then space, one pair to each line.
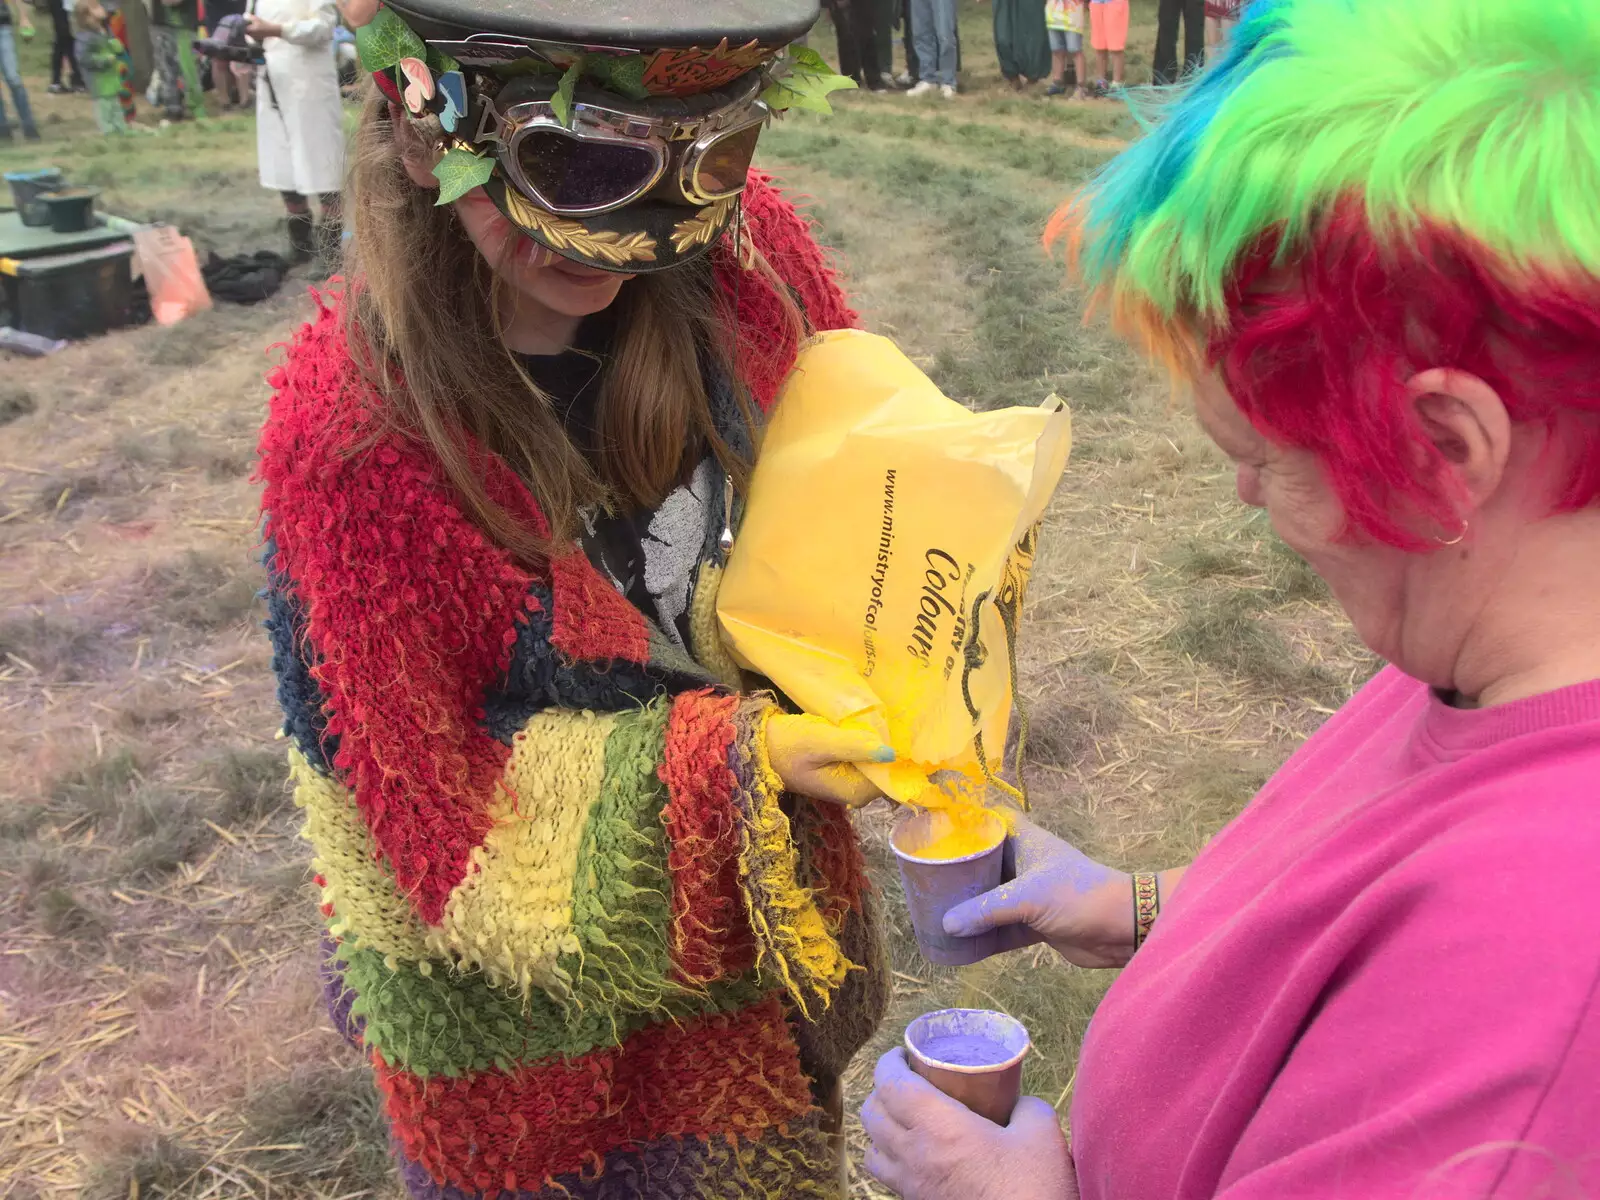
1368, 241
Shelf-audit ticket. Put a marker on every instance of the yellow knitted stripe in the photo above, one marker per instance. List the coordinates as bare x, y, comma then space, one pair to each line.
367, 907
705, 634
789, 928
512, 914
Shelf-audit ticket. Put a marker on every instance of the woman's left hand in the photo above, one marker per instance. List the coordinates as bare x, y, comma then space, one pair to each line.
927, 1146
261, 29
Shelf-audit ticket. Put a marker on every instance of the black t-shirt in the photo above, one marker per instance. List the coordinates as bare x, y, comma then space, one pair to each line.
651, 556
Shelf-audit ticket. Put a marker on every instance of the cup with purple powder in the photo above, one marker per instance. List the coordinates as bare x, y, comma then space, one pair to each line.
972, 1055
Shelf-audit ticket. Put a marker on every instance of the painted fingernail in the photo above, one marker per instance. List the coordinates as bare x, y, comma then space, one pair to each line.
883, 754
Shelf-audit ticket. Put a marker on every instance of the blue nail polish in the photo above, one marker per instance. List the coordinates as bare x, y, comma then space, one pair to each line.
884, 754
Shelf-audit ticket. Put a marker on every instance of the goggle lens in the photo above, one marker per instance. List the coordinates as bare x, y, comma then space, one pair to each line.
575, 175
722, 167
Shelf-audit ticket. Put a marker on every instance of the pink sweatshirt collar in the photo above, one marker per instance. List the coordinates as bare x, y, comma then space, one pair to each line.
1455, 732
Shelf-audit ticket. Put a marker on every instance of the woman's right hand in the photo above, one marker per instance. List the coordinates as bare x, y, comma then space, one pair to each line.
1082, 908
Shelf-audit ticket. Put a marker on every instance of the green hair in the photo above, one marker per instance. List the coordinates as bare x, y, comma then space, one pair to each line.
1482, 116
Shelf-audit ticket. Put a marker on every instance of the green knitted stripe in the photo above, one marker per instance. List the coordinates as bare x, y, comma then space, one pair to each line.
621, 908
450, 1023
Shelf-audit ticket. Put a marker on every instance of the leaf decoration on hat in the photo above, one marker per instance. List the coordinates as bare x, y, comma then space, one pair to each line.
606, 245
419, 85
802, 78
441, 63
561, 102
459, 171
383, 41
703, 226
622, 74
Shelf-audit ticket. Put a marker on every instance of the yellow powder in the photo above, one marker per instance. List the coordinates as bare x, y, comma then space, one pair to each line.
962, 824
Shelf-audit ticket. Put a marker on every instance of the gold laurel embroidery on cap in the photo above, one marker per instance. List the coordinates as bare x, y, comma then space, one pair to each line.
608, 245
703, 226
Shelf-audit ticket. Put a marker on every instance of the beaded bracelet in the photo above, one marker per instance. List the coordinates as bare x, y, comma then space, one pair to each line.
1146, 906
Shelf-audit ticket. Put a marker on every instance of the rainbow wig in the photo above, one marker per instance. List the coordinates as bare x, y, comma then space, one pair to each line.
1358, 190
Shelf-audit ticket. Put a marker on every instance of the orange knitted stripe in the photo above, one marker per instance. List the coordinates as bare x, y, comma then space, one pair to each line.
591, 619
710, 935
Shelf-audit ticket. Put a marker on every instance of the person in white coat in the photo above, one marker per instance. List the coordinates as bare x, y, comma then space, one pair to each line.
299, 120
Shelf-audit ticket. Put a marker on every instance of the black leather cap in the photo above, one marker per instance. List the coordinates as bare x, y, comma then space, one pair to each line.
642, 25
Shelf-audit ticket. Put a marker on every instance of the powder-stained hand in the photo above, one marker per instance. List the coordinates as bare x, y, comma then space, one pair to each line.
927, 1146
1084, 909
813, 757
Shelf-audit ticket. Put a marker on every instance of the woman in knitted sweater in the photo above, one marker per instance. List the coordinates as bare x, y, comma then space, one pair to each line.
595, 913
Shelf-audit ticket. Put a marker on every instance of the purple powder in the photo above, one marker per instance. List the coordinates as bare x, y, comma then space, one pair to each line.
964, 1050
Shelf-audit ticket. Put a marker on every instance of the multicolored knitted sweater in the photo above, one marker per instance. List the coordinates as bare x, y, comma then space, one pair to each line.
590, 947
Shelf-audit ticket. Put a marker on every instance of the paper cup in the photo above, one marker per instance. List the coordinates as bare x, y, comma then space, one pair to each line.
971, 1055
933, 886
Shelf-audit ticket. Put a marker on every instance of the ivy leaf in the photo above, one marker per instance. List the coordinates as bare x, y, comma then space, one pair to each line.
385, 40
624, 75
561, 102
440, 62
459, 171
808, 60
803, 79
805, 90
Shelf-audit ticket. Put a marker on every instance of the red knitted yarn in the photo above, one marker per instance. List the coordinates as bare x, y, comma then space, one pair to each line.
732, 1074
766, 351
838, 871
398, 587
411, 612
710, 935
593, 620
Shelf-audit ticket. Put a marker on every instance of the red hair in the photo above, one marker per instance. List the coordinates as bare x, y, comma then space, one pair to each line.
1317, 353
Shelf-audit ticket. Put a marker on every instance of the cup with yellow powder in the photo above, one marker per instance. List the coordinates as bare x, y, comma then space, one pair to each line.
947, 856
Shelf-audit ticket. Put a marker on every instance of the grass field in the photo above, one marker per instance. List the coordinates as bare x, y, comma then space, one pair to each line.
160, 1032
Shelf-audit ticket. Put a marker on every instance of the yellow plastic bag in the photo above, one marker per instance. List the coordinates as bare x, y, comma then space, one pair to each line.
879, 569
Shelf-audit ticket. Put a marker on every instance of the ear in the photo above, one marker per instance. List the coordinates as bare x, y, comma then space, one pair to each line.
1467, 423
416, 155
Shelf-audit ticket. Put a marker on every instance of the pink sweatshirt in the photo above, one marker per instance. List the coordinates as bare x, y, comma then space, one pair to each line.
1381, 980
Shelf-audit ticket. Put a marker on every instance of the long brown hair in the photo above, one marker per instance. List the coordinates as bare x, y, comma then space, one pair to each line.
421, 318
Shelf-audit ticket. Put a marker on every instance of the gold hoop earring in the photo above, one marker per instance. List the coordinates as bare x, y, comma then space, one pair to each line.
1455, 541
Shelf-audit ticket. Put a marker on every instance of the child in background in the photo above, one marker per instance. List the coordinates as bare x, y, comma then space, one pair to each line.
1108, 33
1065, 20
98, 55
117, 25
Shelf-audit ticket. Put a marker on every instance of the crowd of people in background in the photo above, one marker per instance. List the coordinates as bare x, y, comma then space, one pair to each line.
292, 75
1076, 47
283, 57
1055, 42
90, 55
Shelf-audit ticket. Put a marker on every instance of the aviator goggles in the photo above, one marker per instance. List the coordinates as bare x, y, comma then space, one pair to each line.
606, 157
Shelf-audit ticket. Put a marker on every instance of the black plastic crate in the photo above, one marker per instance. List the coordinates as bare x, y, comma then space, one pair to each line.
70, 295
